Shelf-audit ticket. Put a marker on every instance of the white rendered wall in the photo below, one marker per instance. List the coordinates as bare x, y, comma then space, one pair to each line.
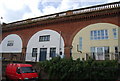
54, 42
17, 44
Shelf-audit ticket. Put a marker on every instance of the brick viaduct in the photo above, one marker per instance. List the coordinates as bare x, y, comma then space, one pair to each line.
69, 23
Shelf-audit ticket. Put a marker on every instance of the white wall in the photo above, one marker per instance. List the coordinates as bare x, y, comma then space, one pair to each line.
34, 43
17, 44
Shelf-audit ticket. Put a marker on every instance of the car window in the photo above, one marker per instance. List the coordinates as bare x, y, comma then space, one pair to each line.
27, 70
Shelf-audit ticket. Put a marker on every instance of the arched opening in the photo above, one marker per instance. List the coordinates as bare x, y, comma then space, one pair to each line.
11, 47
98, 41
45, 45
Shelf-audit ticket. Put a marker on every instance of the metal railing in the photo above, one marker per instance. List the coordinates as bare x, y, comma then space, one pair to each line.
71, 12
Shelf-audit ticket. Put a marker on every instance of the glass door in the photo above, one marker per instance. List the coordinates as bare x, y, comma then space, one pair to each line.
43, 54
52, 52
100, 54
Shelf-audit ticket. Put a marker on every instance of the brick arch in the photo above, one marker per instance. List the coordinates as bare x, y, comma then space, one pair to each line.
68, 25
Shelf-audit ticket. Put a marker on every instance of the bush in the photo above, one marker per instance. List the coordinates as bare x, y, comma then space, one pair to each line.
63, 69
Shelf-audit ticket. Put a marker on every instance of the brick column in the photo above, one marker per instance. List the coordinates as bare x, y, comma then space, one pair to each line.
23, 55
68, 51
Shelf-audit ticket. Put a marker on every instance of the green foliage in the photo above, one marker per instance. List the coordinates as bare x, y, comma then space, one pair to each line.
63, 69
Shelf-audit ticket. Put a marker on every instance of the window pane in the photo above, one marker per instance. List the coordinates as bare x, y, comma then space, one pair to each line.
102, 34
93, 52
34, 52
93, 49
80, 43
91, 35
10, 43
44, 38
106, 50
95, 35
106, 34
98, 35
116, 50
27, 70
52, 52
115, 33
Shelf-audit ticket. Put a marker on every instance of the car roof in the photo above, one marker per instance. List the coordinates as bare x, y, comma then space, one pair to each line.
20, 65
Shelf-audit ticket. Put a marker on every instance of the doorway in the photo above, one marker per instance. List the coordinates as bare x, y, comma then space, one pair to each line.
43, 54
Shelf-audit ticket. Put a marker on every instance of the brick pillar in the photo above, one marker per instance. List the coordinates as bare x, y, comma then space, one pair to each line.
23, 55
68, 51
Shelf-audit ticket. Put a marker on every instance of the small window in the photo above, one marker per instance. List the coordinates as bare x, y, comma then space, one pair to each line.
44, 38
10, 43
115, 33
34, 52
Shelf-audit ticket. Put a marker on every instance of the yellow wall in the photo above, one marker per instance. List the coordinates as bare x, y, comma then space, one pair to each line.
87, 43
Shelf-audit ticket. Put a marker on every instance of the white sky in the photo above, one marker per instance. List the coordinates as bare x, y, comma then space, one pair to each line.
15, 10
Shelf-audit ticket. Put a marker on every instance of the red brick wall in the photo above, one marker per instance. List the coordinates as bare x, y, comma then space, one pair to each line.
68, 26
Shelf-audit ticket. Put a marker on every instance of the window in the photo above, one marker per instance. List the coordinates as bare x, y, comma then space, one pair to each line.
115, 33
44, 38
34, 52
100, 52
98, 34
92, 49
116, 52
93, 52
10, 43
52, 52
27, 70
91, 35
116, 49
18, 70
104, 50
80, 44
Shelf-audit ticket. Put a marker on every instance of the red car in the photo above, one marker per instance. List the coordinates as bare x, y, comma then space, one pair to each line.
20, 72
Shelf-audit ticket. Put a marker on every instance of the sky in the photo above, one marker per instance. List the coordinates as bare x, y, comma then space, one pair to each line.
17, 10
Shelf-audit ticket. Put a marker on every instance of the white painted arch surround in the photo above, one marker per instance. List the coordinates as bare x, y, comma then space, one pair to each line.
55, 39
17, 44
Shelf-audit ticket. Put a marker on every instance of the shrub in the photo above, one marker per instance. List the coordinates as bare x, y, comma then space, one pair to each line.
63, 69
